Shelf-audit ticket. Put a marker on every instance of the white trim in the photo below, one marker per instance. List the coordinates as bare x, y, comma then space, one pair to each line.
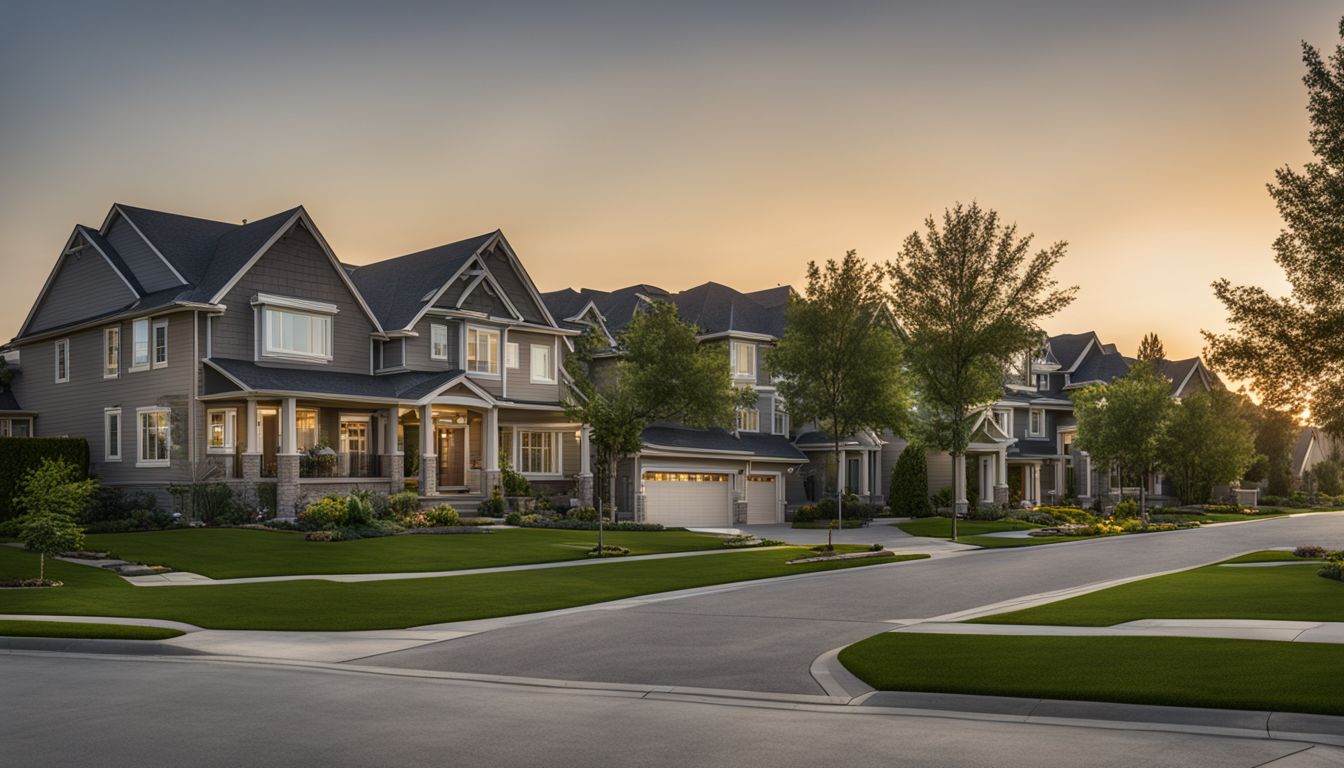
230, 430
511, 351
152, 247
1036, 433
744, 335
467, 328
116, 371
1081, 355
154, 327
140, 413
107, 438
134, 367
435, 329
51, 277
1186, 380
305, 305
733, 355
532, 375
1007, 430
266, 349
60, 350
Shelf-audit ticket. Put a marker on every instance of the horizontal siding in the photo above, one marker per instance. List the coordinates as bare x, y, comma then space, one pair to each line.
85, 285
418, 347
148, 268
520, 384
940, 471
500, 269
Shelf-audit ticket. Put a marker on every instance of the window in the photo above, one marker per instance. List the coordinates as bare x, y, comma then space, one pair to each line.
1042, 382
62, 361
1067, 440
355, 435
221, 429
290, 333
20, 427
1036, 423
482, 350
511, 354
781, 420
155, 437
438, 342
112, 434
543, 372
140, 344
111, 352
538, 453
305, 430
744, 360
160, 343
1005, 421
748, 420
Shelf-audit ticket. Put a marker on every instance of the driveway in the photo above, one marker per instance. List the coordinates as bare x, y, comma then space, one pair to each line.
764, 637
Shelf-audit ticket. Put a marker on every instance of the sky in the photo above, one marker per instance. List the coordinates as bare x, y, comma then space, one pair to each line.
616, 145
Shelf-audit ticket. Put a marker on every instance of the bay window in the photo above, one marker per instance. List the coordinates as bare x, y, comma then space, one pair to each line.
482, 350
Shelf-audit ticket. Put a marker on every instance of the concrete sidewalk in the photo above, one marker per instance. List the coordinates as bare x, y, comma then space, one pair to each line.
1236, 629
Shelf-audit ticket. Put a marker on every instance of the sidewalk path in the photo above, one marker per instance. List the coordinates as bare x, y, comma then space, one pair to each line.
1237, 629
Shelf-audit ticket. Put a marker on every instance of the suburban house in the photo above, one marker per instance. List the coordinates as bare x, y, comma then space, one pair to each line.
187, 349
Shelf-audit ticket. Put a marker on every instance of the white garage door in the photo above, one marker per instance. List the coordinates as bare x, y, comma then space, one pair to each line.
688, 499
762, 499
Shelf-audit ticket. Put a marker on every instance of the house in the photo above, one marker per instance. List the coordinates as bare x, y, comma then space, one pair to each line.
1312, 447
188, 349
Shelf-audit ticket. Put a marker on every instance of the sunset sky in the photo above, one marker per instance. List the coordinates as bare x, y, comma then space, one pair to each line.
675, 146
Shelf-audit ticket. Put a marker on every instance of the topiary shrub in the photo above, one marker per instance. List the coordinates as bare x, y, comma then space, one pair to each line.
909, 494
585, 514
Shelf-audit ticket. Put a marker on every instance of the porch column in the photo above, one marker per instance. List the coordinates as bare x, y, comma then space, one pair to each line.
429, 465
490, 445
959, 503
394, 467
986, 466
251, 457
1036, 484
840, 472
1061, 482
287, 461
585, 467
1001, 476
863, 475
1085, 469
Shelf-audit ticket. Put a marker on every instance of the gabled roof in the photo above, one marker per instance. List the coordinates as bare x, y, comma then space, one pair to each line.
185, 242
746, 445
399, 289
105, 248
717, 308
1068, 348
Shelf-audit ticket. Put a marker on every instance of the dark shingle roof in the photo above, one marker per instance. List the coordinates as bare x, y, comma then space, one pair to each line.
231, 251
395, 289
188, 243
8, 402
749, 444
716, 308
1105, 367
411, 385
565, 302
1066, 347
118, 263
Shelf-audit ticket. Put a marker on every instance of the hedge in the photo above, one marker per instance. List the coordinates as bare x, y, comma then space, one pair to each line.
20, 454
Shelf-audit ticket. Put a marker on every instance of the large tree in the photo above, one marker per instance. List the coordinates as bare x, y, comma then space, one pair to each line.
1151, 348
970, 295
1124, 422
1291, 348
1208, 442
1276, 434
663, 372
840, 358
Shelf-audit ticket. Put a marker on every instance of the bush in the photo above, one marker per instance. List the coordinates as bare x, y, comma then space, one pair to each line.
805, 514
211, 503
1310, 552
853, 509
513, 518
443, 516
1068, 515
493, 506
513, 481
942, 499
113, 504
358, 511
1126, 509
609, 550
325, 513
1334, 566
1033, 516
403, 504
909, 493
136, 520
584, 514
18, 455
985, 511
322, 536
539, 521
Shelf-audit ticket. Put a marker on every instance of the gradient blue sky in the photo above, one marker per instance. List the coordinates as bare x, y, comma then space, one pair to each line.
617, 145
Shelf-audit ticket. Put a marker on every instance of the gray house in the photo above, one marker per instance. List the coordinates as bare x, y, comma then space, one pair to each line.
187, 349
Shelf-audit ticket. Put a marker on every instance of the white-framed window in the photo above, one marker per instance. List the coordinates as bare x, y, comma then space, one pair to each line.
221, 430
305, 429
155, 437
438, 342
482, 350
1036, 422
1004, 418
781, 419
296, 334
511, 354
748, 420
16, 427
160, 337
538, 452
1066, 442
111, 352
543, 364
112, 434
140, 344
354, 434
62, 361
744, 360
1042, 382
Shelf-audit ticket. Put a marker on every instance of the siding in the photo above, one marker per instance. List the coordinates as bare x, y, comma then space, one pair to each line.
520, 384
76, 408
480, 300
84, 285
295, 267
514, 288
418, 348
149, 269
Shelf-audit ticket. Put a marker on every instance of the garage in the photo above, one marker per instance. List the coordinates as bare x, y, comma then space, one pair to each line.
762, 499
687, 499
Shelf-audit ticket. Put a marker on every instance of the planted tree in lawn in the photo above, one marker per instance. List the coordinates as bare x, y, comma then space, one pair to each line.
970, 294
840, 358
1124, 422
1288, 347
51, 497
1208, 442
909, 495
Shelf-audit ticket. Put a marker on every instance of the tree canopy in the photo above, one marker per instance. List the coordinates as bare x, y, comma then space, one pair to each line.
1125, 421
1151, 348
1208, 442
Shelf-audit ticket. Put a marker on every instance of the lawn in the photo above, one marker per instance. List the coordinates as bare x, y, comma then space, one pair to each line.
72, 629
941, 527
324, 605
1289, 593
1190, 672
224, 553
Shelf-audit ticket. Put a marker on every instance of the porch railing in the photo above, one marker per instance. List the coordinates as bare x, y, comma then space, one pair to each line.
340, 465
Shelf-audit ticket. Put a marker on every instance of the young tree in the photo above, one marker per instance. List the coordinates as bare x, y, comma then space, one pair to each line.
1123, 423
839, 360
49, 535
969, 296
1151, 348
1288, 347
1208, 442
664, 373
52, 496
909, 495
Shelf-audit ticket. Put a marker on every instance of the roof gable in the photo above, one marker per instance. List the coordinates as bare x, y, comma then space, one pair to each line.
400, 289
88, 280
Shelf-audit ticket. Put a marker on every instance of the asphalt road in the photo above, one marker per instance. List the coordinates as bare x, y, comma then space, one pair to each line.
764, 637
109, 712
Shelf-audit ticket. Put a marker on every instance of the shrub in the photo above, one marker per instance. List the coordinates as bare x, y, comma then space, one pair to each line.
322, 536
18, 455
443, 516
584, 514
136, 520
326, 512
476, 521
493, 506
942, 499
358, 511
609, 550
909, 494
1310, 552
1225, 509
513, 518
211, 503
1334, 566
403, 504
985, 511
854, 509
805, 514
1126, 509
512, 480
1068, 515
538, 521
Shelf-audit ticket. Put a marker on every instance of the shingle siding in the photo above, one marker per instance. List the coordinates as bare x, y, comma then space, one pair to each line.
148, 268
85, 285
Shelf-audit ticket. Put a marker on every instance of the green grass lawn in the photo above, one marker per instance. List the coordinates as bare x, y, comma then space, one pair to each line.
941, 527
1191, 672
1267, 556
1289, 593
224, 553
323, 605
71, 629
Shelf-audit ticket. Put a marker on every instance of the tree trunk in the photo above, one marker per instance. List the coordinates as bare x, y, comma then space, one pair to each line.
839, 491
955, 501
611, 485
1143, 499
41, 567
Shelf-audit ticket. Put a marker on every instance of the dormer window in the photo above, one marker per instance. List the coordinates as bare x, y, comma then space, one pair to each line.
744, 360
295, 329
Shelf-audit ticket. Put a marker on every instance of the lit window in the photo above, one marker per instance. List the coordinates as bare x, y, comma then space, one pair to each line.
140, 344
111, 352
160, 343
62, 361
155, 437
744, 360
537, 453
511, 354
482, 350
305, 430
297, 334
438, 342
354, 436
748, 420
221, 429
112, 434
542, 370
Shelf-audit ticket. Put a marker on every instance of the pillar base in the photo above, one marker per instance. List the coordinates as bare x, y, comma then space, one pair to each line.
287, 485
739, 512
585, 490
394, 468
429, 475
959, 508
251, 466
1000, 494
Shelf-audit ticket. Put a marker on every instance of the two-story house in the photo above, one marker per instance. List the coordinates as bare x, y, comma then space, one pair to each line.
187, 349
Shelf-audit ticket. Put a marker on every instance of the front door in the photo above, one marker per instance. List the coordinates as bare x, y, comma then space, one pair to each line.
452, 446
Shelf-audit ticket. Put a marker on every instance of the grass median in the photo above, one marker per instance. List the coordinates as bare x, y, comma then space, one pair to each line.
324, 605
69, 629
